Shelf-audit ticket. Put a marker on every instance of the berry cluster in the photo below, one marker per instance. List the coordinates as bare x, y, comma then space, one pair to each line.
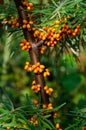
48, 90
35, 102
28, 5
36, 88
13, 127
55, 115
37, 68
14, 22
27, 25
9, 128
25, 45
33, 121
28, 67
67, 32
42, 50
49, 106
46, 73
51, 36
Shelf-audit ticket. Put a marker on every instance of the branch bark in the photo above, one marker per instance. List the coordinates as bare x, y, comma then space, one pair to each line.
34, 51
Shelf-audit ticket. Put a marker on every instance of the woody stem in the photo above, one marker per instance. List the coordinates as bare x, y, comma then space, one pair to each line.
34, 51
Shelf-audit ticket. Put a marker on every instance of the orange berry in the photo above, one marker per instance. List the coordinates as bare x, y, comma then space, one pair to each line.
55, 115
34, 82
42, 66
28, 8
36, 122
42, 50
47, 91
24, 40
57, 22
25, 21
38, 64
49, 108
56, 26
57, 35
35, 71
31, 22
27, 43
30, 69
45, 87
44, 106
30, 4
76, 30
57, 126
26, 67
78, 26
8, 128
44, 37
28, 26
24, 47
48, 43
40, 70
51, 89
21, 44
24, 3
35, 102
74, 34
27, 63
24, 26
50, 104
17, 24
33, 87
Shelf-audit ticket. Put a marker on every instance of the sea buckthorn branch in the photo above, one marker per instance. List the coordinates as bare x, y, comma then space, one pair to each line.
34, 50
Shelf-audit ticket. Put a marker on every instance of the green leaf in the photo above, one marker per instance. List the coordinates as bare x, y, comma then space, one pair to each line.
46, 125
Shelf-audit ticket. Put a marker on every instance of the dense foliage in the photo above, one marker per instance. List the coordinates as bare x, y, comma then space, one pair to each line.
56, 31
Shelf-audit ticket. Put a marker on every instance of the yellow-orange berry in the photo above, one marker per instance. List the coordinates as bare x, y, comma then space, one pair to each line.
44, 106
8, 128
28, 26
42, 50
57, 126
17, 24
34, 82
54, 115
50, 106
31, 22
26, 67
15, 127
25, 21
35, 102
51, 89
45, 87
24, 26
24, 126
35, 122
57, 22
